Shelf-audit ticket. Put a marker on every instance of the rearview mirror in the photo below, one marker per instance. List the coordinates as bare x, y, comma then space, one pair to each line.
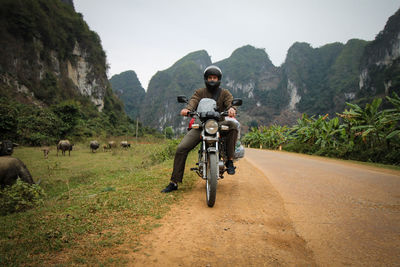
237, 102
182, 99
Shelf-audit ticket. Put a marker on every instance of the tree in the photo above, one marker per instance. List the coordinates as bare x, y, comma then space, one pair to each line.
169, 132
69, 114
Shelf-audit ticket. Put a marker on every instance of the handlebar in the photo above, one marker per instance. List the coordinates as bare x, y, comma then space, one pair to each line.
192, 113
195, 113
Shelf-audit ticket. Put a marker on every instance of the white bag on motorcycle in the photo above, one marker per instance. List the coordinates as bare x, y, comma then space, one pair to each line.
239, 150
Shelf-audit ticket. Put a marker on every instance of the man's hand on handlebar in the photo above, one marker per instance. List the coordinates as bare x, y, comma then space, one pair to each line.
231, 112
184, 112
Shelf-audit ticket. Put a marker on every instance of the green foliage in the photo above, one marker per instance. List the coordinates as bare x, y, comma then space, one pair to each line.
271, 137
33, 125
8, 119
366, 134
166, 152
169, 132
19, 197
69, 113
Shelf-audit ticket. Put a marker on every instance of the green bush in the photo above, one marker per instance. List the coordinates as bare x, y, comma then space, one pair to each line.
369, 133
20, 196
167, 152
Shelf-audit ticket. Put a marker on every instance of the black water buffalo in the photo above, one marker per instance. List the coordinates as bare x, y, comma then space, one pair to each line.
7, 147
94, 145
125, 144
64, 145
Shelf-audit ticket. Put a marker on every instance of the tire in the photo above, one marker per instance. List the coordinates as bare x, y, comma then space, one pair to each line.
212, 179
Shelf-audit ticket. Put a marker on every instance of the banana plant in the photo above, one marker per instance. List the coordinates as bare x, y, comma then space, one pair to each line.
329, 135
369, 123
393, 117
254, 138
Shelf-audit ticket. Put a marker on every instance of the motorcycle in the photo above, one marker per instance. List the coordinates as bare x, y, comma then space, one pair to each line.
212, 154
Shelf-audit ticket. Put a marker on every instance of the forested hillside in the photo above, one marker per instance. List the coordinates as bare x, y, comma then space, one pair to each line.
324, 78
127, 87
160, 108
53, 81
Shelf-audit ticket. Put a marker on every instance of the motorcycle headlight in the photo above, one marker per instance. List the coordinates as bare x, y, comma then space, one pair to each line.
211, 126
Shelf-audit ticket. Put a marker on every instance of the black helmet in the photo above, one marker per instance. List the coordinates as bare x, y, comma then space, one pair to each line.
212, 70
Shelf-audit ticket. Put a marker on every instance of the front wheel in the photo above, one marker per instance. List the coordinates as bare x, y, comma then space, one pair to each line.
212, 176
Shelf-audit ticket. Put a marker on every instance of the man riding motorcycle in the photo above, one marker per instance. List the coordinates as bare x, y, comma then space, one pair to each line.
212, 79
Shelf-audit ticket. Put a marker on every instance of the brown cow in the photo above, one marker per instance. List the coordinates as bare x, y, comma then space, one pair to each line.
105, 147
46, 151
112, 144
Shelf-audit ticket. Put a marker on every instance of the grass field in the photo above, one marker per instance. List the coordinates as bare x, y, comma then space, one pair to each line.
96, 206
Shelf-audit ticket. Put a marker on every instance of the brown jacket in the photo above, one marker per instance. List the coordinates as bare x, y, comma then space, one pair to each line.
224, 100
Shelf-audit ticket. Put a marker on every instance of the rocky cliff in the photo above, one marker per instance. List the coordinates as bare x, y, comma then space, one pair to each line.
49, 54
320, 80
380, 64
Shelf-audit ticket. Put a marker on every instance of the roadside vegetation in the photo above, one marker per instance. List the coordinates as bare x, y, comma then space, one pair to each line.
75, 120
94, 206
369, 133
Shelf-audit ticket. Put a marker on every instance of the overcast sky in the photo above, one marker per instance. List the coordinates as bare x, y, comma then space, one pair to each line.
150, 35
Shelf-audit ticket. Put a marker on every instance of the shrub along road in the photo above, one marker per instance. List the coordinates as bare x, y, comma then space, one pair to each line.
283, 209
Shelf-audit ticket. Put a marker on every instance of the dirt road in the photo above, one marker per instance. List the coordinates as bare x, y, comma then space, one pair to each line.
283, 209
348, 214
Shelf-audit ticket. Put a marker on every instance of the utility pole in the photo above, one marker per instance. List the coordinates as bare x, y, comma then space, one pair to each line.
137, 125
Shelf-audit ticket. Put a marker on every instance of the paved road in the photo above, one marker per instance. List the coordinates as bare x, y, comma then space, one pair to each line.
348, 214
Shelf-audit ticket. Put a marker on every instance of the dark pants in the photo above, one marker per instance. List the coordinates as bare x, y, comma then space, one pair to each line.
191, 139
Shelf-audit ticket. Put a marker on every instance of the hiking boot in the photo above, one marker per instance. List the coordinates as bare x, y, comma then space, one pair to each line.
230, 169
170, 187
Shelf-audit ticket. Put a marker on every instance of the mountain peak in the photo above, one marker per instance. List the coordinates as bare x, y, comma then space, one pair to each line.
200, 58
128, 88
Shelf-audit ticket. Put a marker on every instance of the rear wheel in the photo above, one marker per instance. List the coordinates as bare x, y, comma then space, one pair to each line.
212, 176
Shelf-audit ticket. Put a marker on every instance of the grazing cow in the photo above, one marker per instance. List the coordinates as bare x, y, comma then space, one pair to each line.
125, 144
94, 145
46, 151
105, 147
64, 145
7, 147
12, 168
112, 144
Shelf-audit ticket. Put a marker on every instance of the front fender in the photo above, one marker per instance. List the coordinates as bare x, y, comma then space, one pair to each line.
212, 150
